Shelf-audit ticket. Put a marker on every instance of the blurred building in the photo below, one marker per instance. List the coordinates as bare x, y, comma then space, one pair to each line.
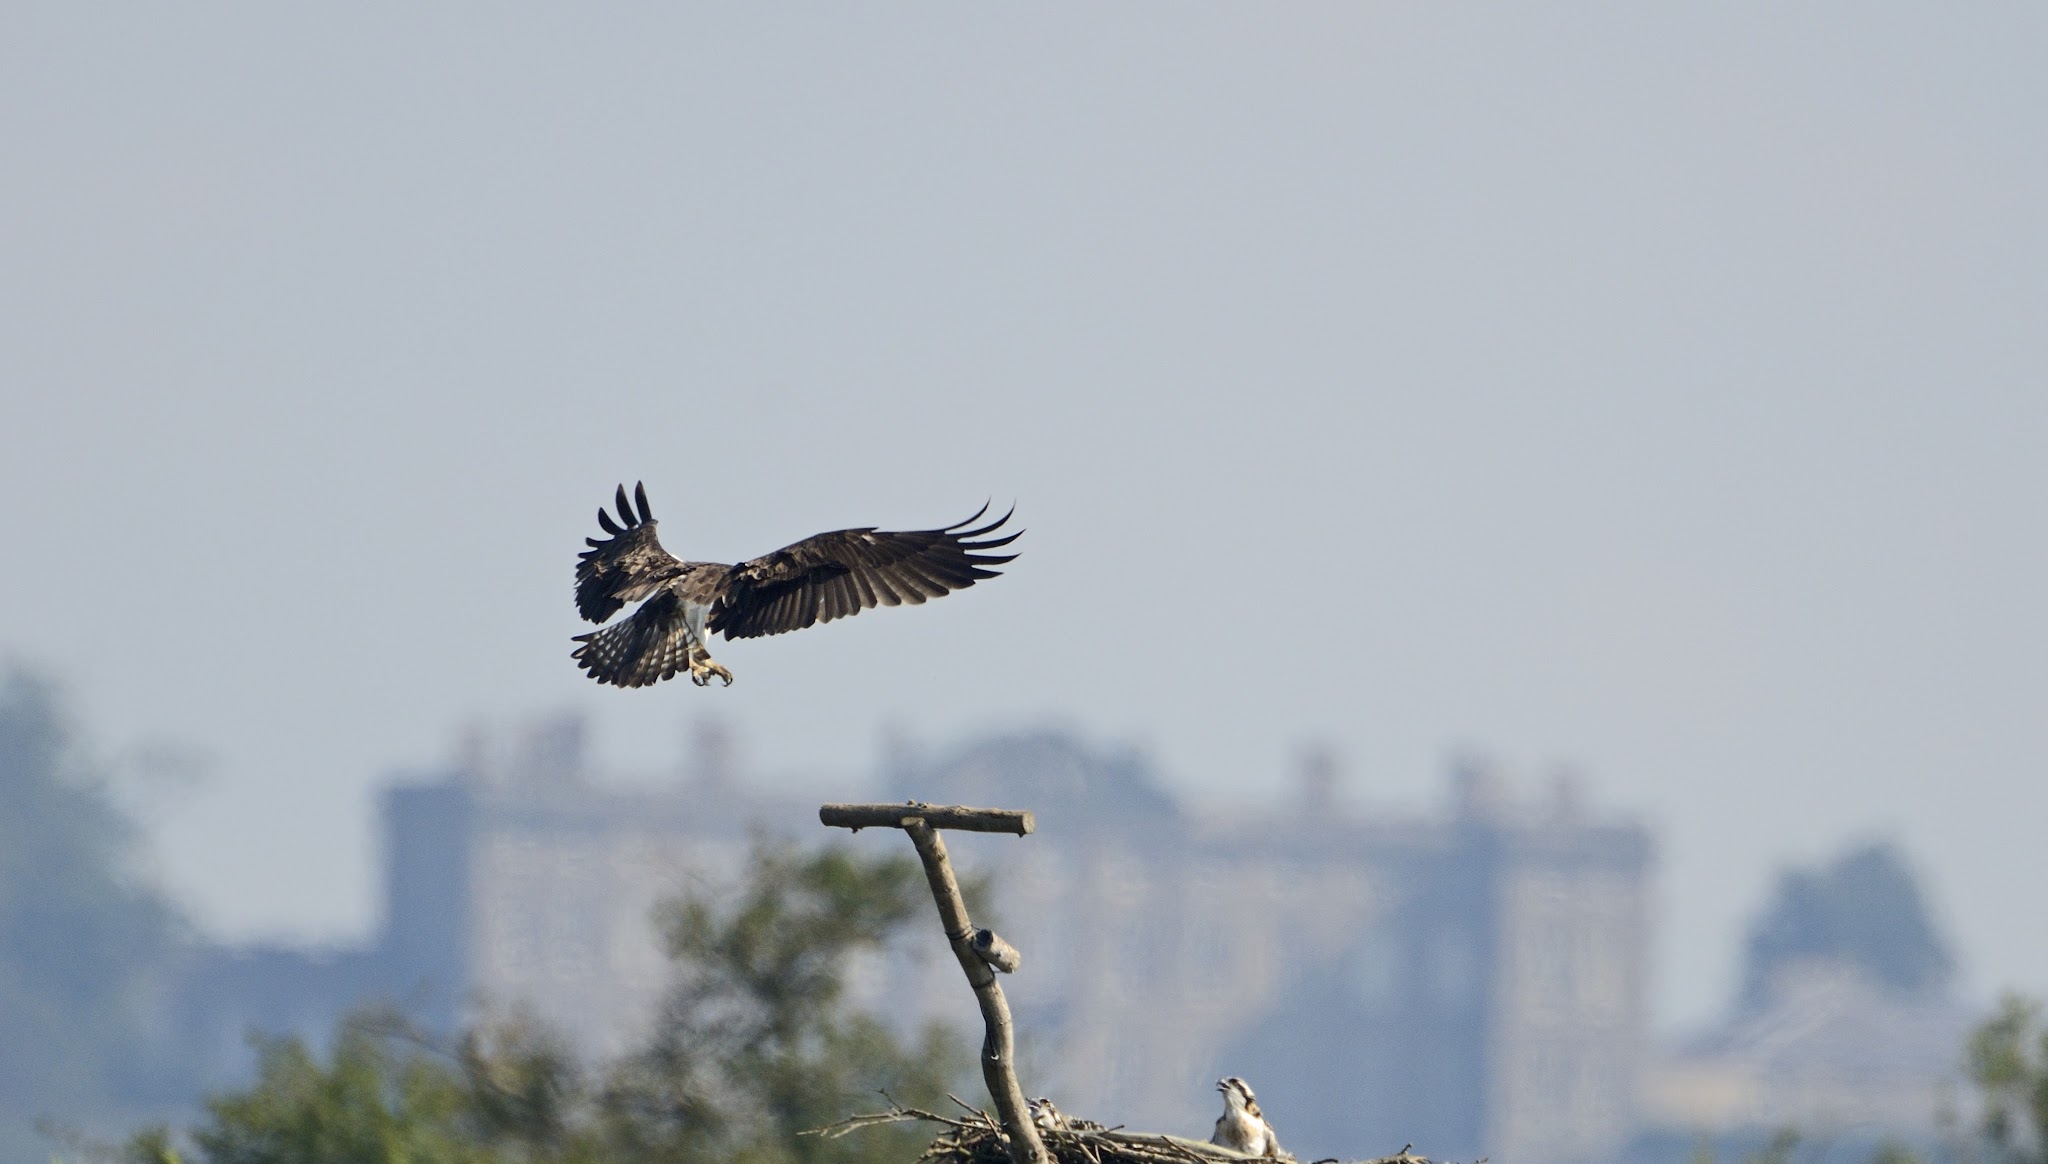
1471, 982
1846, 1028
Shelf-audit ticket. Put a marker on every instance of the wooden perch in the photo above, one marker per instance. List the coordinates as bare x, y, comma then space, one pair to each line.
951, 816
998, 1047
990, 947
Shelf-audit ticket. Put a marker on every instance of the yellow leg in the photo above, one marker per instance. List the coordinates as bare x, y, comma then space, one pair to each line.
703, 667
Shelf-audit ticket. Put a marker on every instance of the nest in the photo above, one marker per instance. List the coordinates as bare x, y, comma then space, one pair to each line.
977, 1137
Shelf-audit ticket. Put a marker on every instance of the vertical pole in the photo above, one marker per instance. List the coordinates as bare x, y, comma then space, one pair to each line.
998, 1048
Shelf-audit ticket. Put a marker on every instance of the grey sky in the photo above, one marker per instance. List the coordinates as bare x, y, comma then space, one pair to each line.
1661, 392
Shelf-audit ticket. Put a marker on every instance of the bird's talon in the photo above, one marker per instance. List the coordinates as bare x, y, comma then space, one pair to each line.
703, 668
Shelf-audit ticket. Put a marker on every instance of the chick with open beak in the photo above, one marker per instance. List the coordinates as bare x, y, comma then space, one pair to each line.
1243, 1126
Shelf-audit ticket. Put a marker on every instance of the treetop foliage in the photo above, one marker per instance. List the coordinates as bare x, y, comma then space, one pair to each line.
754, 1045
2008, 1061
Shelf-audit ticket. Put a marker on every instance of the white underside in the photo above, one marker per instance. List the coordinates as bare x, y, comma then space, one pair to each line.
694, 614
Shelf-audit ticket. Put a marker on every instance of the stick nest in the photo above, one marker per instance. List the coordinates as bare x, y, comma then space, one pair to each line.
977, 1137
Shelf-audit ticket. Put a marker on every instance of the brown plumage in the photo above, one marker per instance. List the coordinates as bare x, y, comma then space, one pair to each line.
828, 576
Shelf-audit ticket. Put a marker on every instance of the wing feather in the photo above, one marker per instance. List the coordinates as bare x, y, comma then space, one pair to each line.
920, 588
926, 578
844, 600
834, 575
864, 594
650, 646
885, 592
626, 567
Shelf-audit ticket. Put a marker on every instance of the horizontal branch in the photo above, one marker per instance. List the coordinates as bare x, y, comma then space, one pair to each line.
953, 816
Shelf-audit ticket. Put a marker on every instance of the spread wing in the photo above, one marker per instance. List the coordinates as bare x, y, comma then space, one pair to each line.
844, 572
651, 646
626, 567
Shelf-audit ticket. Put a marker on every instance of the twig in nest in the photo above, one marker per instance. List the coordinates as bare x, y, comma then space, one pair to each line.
970, 1109
896, 1115
1082, 1146
979, 1139
854, 1123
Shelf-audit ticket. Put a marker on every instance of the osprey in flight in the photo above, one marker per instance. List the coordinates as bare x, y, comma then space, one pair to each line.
818, 579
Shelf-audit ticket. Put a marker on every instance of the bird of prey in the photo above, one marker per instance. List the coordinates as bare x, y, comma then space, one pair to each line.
1046, 1116
1051, 1119
1243, 1126
828, 576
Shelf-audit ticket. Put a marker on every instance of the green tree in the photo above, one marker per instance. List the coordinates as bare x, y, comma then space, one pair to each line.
504, 1095
754, 1044
2008, 1063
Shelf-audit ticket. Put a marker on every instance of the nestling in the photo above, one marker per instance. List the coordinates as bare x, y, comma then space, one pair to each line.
1243, 1126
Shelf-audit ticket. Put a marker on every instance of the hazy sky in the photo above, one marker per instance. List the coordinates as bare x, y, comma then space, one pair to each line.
1660, 393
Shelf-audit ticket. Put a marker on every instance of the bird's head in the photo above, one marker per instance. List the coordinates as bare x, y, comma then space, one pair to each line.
1237, 1094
